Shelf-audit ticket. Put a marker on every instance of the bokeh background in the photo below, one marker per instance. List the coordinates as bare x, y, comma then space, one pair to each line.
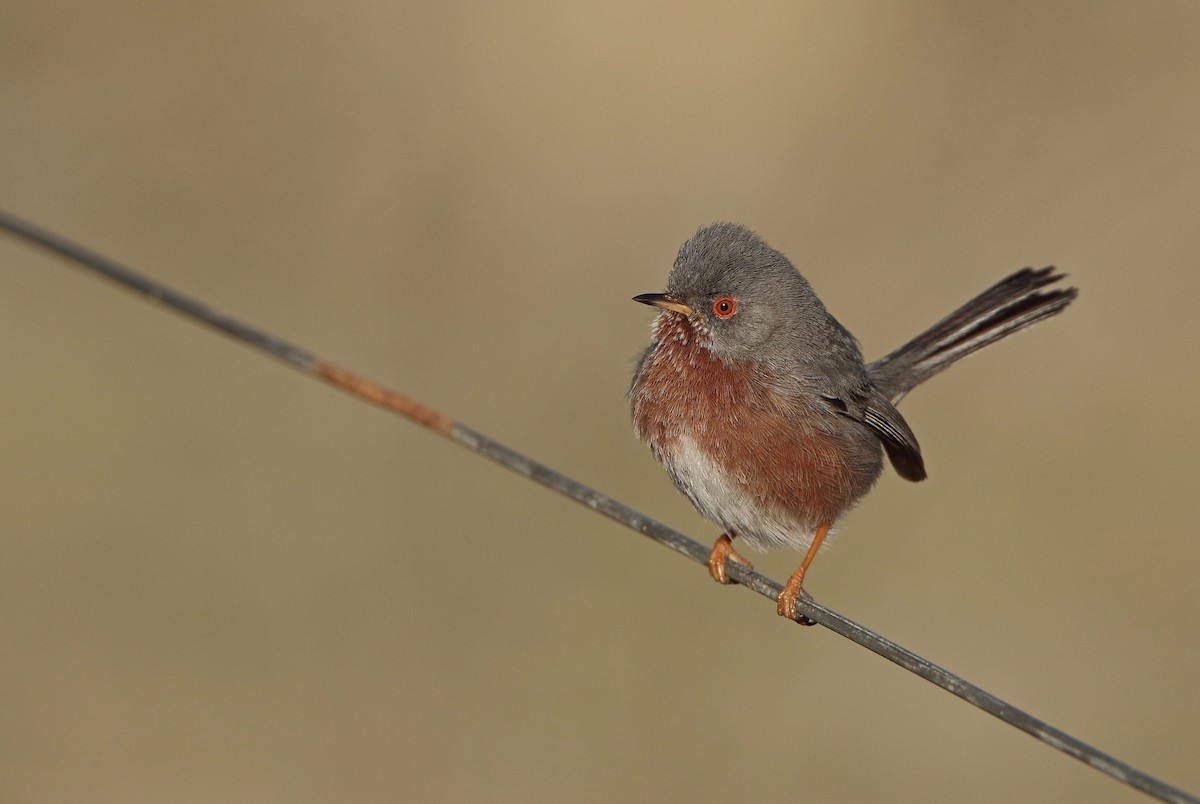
222, 581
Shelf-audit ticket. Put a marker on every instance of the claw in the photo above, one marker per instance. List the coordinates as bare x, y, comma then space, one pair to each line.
792, 592
722, 550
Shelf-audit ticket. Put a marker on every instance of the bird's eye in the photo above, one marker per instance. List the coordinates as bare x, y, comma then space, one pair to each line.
724, 307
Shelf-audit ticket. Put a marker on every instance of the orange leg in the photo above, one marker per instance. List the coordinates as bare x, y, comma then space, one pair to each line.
794, 589
722, 550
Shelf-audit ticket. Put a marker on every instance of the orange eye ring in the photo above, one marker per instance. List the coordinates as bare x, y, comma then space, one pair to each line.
724, 307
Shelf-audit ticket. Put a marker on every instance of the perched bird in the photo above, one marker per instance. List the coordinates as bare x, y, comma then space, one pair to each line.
760, 407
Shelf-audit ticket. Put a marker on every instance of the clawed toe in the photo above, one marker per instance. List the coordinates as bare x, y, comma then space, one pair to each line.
786, 604
722, 550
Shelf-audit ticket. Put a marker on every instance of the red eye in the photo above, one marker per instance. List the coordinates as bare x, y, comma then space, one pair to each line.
724, 307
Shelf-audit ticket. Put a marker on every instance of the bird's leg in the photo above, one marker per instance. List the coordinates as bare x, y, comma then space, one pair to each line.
794, 589
722, 550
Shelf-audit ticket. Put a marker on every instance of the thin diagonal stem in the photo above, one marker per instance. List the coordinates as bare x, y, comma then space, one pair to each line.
481, 444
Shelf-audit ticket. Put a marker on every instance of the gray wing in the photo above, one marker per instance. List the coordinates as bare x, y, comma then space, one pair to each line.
836, 373
868, 406
898, 440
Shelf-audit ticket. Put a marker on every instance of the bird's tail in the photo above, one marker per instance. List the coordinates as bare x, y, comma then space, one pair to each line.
1007, 307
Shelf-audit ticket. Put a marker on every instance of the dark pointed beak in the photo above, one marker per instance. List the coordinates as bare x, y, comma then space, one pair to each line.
666, 301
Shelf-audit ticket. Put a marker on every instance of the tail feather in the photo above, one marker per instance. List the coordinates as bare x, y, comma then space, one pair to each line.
1007, 307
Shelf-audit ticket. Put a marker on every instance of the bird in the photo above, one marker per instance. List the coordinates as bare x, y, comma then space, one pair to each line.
760, 407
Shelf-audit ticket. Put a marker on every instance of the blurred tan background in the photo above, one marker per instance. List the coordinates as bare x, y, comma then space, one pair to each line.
224, 582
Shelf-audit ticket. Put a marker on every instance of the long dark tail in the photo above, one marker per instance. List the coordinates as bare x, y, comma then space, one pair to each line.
1007, 307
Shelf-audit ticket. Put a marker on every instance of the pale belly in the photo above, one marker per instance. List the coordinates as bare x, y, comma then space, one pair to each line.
721, 497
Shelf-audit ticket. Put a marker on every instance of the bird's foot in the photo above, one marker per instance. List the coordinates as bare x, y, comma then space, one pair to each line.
793, 591
722, 550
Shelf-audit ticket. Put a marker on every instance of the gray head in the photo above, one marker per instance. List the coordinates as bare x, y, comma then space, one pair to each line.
747, 302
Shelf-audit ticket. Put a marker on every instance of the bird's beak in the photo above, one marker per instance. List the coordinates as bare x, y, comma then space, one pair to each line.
666, 301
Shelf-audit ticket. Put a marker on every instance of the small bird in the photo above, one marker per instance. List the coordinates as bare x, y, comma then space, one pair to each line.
760, 407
